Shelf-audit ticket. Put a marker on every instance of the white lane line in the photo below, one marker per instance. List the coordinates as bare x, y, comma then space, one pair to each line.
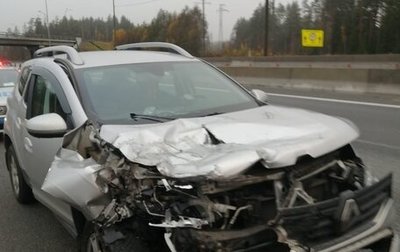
378, 144
336, 100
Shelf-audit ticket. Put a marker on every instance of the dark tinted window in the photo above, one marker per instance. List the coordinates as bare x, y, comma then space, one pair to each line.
44, 99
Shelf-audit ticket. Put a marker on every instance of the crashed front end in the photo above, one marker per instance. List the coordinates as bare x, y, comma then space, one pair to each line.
329, 203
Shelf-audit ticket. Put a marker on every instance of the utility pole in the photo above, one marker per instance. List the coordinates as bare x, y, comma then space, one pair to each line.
204, 27
273, 27
203, 3
114, 24
203, 32
221, 11
47, 21
266, 27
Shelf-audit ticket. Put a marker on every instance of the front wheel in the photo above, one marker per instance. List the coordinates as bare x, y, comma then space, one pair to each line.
22, 191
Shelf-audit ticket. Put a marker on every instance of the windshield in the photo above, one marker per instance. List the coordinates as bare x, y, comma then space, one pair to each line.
8, 77
112, 94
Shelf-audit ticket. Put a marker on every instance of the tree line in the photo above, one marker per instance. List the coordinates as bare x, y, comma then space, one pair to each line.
350, 26
183, 28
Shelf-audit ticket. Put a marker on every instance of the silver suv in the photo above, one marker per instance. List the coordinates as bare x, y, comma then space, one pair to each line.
146, 148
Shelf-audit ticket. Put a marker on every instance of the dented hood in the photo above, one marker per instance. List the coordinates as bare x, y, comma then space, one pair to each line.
222, 146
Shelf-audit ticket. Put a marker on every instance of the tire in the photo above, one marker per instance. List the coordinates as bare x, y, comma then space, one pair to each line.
22, 191
130, 243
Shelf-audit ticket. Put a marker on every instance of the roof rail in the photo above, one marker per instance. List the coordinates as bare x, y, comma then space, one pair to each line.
162, 45
71, 53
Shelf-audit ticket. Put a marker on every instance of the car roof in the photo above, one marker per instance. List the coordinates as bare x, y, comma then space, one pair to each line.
120, 57
105, 58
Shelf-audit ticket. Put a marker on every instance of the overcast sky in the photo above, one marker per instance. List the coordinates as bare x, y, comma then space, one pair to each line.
17, 12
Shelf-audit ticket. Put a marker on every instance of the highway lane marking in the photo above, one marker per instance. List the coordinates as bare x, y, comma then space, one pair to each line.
336, 100
378, 144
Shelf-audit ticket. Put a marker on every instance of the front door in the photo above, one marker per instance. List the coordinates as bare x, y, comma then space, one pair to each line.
43, 96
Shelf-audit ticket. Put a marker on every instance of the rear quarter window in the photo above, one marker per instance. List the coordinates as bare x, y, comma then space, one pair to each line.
23, 79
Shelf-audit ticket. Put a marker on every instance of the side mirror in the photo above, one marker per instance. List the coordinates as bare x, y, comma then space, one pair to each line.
260, 95
46, 126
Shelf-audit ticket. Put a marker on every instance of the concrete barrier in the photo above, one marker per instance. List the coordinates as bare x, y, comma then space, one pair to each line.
359, 74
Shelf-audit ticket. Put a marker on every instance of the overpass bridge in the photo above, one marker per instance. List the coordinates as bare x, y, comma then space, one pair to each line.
33, 43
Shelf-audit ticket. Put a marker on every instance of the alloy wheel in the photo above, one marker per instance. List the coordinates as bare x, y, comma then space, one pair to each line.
14, 175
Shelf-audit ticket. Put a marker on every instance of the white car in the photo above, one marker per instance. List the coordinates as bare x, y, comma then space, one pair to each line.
146, 150
8, 78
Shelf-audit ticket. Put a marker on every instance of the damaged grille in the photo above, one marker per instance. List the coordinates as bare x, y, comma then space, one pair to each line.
317, 223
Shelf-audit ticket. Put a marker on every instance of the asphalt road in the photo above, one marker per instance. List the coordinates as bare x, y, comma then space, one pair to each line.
34, 228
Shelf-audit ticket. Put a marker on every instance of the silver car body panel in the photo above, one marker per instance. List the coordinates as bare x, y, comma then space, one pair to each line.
277, 136
68, 170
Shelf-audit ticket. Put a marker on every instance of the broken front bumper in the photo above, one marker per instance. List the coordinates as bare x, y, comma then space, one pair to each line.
352, 221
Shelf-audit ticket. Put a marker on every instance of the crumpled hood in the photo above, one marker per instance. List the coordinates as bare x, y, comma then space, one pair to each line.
222, 146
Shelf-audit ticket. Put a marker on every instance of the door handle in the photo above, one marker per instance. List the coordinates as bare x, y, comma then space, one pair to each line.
28, 145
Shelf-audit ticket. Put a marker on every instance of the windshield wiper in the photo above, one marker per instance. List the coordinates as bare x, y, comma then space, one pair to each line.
151, 117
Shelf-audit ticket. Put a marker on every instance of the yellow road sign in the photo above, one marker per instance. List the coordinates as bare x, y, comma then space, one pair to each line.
312, 38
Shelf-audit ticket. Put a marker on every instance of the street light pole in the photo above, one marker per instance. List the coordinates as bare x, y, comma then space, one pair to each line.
47, 21
266, 27
114, 24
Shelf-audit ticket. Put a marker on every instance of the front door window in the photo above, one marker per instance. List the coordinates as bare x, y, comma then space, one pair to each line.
44, 99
